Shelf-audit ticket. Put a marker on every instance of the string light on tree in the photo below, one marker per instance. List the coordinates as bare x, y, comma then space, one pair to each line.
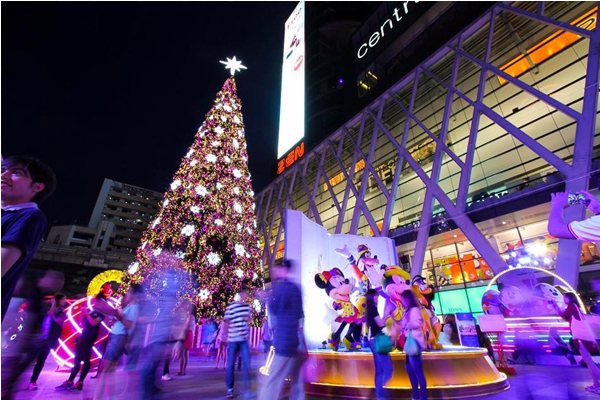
204, 294
206, 226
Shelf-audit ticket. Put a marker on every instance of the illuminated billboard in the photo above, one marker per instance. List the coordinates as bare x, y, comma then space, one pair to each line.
291, 115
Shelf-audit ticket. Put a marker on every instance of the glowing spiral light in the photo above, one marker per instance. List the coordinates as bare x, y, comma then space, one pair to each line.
64, 353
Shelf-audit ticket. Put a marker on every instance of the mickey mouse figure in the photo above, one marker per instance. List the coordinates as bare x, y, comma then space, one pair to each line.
339, 288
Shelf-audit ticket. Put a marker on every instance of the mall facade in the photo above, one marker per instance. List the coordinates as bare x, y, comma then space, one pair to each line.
456, 160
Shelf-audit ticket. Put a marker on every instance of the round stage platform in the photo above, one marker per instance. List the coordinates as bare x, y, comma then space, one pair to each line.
455, 372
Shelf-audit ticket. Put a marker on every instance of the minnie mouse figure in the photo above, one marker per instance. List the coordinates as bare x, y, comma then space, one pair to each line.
339, 288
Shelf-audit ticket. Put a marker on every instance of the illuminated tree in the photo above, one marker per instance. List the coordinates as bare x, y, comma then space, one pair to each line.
206, 227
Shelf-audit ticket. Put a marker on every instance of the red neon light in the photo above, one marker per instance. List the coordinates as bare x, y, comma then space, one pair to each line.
291, 158
64, 353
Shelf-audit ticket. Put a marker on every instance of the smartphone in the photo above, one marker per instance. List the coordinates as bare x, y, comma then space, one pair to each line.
578, 198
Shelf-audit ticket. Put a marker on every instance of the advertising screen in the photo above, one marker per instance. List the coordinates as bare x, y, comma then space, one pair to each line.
291, 115
460, 300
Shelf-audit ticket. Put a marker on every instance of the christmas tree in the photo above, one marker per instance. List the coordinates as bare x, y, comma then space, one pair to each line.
206, 227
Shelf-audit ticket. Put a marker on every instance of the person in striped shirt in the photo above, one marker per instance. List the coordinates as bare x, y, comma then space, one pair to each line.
237, 316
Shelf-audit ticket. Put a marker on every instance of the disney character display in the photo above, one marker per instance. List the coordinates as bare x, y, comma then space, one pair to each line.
364, 267
490, 302
339, 289
395, 281
546, 299
366, 271
431, 323
512, 302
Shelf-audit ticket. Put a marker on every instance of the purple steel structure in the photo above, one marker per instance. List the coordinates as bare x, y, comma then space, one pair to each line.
359, 140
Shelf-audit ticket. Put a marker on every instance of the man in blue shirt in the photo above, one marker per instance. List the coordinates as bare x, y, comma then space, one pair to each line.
290, 348
26, 182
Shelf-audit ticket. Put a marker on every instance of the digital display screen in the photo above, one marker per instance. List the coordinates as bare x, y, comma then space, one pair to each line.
454, 301
460, 300
291, 116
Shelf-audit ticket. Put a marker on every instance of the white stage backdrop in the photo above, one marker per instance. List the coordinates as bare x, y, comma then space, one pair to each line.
312, 250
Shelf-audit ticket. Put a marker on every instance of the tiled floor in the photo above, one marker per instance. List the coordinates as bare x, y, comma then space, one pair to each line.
203, 382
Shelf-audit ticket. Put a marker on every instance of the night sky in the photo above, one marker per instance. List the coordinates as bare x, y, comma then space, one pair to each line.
117, 90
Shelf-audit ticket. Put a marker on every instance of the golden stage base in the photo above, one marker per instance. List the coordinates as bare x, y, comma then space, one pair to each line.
455, 372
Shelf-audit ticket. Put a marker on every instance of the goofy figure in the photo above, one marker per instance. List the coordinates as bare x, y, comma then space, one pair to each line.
366, 271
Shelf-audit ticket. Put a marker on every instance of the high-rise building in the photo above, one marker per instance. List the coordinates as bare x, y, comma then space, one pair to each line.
120, 217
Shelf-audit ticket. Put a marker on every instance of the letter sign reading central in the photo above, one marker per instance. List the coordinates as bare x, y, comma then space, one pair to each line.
374, 38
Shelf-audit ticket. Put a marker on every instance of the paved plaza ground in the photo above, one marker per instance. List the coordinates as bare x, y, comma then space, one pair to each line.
203, 382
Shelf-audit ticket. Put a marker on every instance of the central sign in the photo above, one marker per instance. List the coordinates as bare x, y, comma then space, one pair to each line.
398, 14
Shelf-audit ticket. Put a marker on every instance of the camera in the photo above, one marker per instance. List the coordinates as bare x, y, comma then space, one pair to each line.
578, 198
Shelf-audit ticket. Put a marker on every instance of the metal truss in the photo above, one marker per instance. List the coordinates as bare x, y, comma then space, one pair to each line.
310, 174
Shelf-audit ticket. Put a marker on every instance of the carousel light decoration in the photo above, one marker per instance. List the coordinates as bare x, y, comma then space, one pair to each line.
552, 274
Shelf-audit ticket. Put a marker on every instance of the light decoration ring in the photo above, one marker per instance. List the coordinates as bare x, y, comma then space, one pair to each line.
112, 275
67, 343
552, 274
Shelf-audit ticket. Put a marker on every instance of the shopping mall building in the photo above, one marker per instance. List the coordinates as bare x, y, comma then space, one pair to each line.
455, 159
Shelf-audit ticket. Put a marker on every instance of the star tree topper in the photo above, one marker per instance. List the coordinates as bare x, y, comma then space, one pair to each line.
233, 65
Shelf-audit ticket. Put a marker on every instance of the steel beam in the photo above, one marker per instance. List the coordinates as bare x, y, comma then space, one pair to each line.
569, 251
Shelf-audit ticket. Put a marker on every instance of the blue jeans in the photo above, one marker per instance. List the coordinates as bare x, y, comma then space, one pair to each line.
233, 348
383, 370
414, 367
154, 354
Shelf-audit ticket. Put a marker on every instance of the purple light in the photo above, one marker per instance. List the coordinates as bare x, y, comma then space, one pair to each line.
341, 81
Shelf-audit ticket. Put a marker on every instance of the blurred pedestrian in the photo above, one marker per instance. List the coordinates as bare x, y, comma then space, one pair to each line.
136, 340
26, 182
222, 334
267, 336
571, 314
238, 315
412, 323
84, 343
449, 333
51, 331
384, 369
209, 330
156, 351
185, 336
290, 347
559, 347
486, 343
107, 290
29, 342
117, 341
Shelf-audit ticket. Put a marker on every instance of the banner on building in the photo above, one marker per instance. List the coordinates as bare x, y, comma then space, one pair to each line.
291, 115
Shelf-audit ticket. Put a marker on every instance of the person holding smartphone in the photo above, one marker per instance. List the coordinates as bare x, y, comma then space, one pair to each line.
587, 230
